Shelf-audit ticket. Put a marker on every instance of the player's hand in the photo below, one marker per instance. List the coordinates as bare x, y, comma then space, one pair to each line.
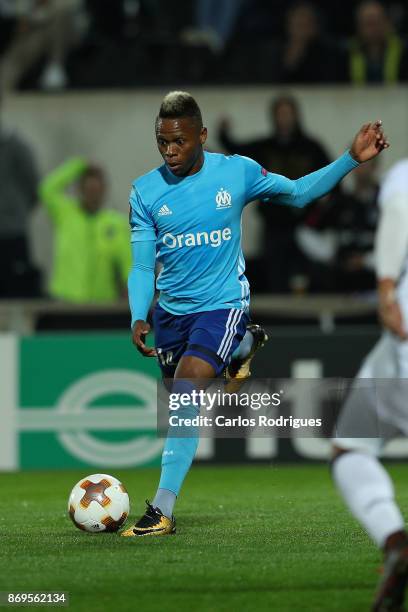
140, 330
391, 317
369, 142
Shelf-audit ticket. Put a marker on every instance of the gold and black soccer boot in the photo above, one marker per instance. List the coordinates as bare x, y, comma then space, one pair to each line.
238, 370
152, 523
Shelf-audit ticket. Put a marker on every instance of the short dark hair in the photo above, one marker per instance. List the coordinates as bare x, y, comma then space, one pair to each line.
178, 104
364, 3
92, 171
287, 100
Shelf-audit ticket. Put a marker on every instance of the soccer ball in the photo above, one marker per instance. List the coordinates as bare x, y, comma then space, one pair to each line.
98, 503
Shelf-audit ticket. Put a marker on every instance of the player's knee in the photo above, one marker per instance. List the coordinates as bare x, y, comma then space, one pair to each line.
168, 382
193, 368
368, 446
337, 452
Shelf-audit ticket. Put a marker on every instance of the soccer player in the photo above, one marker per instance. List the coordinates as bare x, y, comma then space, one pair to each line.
187, 214
378, 409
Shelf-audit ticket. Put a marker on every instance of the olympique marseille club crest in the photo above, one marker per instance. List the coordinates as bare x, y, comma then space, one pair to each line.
223, 199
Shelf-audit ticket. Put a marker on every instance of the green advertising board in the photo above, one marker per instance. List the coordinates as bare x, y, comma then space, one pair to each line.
77, 400
89, 400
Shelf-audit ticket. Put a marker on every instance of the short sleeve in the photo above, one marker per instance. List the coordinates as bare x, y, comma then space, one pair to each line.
141, 223
259, 183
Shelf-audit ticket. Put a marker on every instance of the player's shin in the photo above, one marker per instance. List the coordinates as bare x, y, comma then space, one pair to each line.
368, 492
244, 347
179, 451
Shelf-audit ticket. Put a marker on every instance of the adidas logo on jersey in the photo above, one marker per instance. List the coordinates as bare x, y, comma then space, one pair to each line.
165, 210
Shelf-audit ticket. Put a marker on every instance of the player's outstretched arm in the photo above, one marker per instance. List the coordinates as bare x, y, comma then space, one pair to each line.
368, 143
141, 292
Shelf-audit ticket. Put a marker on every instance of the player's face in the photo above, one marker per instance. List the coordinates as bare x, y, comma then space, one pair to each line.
92, 193
180, 142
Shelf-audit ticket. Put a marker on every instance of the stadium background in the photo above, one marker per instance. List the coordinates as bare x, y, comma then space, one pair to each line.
324, 336
260, 525
117, 130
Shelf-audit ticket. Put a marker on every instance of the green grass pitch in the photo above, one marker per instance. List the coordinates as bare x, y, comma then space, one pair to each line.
249, 538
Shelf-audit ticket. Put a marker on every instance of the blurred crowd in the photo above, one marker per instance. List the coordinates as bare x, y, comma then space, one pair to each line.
59, 44
325, 248
91, 242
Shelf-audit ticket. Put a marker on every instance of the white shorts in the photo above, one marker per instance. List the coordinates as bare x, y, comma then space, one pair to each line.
376, 409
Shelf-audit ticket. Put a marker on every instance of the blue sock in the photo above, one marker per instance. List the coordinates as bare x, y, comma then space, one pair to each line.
178, 453
244, 346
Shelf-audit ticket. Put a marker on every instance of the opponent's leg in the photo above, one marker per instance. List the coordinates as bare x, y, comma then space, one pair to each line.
367, 488
361, 431
375, 412
368, 492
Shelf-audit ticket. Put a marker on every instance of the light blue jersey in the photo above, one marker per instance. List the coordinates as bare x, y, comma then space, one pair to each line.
195, 223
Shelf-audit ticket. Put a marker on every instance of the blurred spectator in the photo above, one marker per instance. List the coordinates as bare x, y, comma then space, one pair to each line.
376, 53
39, 35
18, 196
356, 217
43, 29
214, 23
288, 150
91, 244
337, 239
306, 55
337, 15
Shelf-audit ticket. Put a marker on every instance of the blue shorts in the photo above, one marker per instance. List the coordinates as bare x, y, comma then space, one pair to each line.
212, 335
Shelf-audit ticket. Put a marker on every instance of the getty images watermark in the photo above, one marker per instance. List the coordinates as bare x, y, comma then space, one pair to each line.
319, 408
258, 407
213, 401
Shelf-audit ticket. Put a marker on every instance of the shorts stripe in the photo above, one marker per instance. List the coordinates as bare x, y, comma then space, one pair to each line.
234, 331
230, 331
227, 329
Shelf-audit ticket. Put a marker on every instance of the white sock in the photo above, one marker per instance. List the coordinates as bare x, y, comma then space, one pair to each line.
165, 500
368, 492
